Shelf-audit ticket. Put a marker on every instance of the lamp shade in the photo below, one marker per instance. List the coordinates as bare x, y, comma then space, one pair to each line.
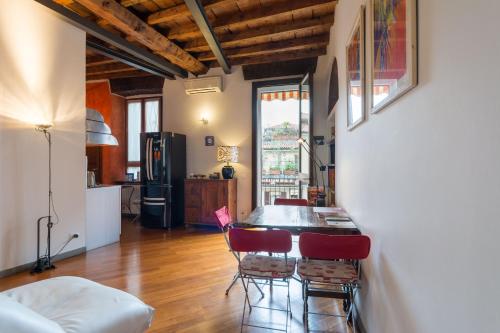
227, 154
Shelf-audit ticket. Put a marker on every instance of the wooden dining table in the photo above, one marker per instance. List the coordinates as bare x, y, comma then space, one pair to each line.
298, 219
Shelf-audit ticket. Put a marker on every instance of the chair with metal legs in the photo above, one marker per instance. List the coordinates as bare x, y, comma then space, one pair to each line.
263, 267
224, 222
330, 268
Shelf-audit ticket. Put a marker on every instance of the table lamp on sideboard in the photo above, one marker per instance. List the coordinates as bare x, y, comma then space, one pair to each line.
227, 154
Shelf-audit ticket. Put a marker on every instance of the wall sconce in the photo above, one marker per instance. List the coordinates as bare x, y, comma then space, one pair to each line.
204, 120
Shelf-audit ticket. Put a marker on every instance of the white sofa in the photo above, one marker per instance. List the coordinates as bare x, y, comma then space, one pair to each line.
71, 305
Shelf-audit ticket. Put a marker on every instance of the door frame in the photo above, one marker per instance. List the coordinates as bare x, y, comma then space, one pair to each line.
271, 83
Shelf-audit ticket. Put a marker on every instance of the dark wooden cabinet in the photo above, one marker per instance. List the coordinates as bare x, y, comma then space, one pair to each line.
204, 196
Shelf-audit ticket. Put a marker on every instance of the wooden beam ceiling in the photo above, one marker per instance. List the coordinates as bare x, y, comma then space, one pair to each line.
270, 48
253, 35
239, 32
263, 14
91, 28
130, 24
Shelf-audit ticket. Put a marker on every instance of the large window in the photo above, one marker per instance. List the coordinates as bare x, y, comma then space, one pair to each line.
143, 115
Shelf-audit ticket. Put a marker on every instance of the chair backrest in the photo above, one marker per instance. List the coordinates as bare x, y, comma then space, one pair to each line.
223, 217
331, 247
290, 202
274, 241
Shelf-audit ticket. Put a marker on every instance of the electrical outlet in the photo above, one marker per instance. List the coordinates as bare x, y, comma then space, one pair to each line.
75, 236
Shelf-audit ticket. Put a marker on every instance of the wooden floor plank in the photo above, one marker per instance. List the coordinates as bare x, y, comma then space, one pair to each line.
183, 275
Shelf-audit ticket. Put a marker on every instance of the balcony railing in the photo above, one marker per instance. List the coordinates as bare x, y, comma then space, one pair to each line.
279, 186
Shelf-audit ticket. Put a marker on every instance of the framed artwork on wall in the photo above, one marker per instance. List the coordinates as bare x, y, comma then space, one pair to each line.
355, 72
393, 50
333, 93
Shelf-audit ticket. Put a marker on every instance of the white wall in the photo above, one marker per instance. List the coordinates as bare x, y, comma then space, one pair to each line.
42, 78
229, 119
422, 177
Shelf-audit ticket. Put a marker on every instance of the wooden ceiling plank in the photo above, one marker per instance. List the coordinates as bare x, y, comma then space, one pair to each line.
127, 22
129, 3
232, 40
278, 57
201, 20
182, 10
272, 47
254, 16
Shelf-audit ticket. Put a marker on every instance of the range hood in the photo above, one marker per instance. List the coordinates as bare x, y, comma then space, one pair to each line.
98, 133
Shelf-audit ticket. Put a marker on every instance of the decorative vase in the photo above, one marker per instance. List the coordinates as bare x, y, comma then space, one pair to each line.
227, 172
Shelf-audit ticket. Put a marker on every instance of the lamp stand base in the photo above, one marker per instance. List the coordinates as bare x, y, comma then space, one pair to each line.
42, 264
321, 200
227, 172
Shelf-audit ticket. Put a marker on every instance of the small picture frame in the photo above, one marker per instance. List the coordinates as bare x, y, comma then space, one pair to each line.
209, 141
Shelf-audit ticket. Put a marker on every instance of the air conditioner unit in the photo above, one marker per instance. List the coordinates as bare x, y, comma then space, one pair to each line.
203, 85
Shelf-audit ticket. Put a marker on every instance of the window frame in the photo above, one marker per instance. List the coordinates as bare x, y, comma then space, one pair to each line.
143, 101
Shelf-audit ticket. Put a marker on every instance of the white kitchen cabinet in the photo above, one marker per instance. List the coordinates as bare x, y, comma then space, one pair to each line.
103, 221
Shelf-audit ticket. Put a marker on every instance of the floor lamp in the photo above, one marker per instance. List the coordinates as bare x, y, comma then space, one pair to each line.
43, 262
321, 200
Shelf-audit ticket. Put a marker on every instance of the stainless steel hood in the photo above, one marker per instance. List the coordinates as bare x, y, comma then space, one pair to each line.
98, 133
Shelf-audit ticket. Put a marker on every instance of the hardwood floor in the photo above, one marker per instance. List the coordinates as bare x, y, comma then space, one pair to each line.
183, 275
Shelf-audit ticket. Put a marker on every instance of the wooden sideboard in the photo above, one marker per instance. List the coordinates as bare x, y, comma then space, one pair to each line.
204, 196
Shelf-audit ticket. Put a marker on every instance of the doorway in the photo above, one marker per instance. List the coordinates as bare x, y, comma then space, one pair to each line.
281, 115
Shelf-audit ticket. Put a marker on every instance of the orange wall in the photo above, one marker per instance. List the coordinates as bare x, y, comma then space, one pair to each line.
112, 108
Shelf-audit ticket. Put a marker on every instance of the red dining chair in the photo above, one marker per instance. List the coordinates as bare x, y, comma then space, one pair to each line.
263, 267
290, 202
224, 222
330, 268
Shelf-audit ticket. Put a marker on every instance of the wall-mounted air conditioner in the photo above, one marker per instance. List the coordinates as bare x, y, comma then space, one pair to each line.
203, 85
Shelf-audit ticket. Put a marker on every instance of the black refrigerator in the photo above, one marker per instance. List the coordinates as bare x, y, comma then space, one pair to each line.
163, 170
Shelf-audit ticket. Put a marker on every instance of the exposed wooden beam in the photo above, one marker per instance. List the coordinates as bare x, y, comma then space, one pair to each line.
105, 76
134, 86
128, 3
283, 68
251, 17
200, 17
114, 40
126, 59
182, 10
254, 35
109, 68
99, 60
278, 57
269, 48
133, 26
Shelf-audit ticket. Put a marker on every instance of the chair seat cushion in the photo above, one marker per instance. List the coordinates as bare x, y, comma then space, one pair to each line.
267, 266
327, 271
81, 306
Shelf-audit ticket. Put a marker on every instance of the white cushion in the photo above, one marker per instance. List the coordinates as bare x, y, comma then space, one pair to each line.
81, 306
15, 317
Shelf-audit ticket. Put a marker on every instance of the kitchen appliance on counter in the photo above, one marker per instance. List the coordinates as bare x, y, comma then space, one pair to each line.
91, 179
163, 170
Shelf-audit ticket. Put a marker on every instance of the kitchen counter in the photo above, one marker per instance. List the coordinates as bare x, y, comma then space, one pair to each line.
103, 210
